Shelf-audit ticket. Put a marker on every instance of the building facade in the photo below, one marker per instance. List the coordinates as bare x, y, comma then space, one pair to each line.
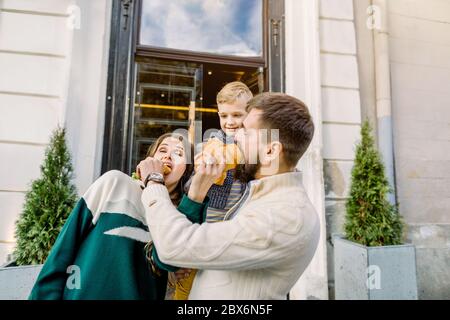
117, 73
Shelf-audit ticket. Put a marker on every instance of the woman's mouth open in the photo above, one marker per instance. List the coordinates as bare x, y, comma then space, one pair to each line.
167, 168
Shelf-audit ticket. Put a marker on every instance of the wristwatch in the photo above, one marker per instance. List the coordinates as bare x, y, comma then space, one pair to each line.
155, 177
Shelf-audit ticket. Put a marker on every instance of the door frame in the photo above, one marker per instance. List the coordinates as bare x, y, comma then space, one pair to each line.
125, 25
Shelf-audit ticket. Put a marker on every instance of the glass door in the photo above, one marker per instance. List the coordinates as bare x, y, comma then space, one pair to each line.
178, 95
166, 91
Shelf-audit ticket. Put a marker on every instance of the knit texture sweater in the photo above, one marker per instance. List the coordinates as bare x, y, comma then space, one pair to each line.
99, 253
258, 254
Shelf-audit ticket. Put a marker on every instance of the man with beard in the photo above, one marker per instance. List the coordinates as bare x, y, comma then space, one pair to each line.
269, 237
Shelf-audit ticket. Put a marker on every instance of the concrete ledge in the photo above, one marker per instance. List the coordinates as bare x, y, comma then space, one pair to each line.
16, 282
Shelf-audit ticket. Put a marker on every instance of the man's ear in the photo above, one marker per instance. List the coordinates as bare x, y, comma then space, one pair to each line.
271, 162
274, 150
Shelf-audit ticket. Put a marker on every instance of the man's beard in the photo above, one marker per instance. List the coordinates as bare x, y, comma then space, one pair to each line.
246, 172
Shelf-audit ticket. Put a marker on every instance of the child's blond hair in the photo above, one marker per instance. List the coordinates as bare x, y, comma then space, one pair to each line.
233, 91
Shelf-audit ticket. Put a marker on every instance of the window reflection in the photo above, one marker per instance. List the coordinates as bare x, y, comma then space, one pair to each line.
166, 90
179, 95
229, 27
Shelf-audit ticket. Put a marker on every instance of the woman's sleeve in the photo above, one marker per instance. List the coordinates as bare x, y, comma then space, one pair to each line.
51, 281
196, 213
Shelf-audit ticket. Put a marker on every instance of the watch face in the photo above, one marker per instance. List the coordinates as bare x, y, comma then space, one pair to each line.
156, 177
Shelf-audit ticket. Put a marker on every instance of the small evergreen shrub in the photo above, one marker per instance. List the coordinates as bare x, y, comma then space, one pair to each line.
370, 219
47, 204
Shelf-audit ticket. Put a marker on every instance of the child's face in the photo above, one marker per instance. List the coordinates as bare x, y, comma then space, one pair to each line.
171, 152
232, 115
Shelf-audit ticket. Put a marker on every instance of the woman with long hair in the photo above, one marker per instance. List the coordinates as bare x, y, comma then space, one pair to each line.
104, 250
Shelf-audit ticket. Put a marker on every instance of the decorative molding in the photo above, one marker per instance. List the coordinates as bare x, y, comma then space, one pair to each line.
28, 94
38, 13
126, 12
31, 53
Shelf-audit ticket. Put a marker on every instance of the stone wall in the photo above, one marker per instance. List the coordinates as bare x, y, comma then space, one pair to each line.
420, 72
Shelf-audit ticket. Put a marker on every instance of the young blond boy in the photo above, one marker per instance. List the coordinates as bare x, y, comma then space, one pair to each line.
231, 102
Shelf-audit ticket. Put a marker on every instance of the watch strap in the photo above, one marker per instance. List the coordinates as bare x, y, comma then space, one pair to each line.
155, 178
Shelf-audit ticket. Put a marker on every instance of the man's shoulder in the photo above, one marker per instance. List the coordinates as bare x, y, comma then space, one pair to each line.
289, 205
286, 195
287, 202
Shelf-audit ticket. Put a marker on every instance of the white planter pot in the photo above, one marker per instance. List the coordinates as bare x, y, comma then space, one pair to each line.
16, 282
374, 273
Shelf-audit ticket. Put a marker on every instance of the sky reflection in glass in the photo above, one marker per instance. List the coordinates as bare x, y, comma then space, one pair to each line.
229, 27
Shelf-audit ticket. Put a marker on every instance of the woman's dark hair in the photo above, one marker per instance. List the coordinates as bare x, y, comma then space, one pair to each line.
177, 194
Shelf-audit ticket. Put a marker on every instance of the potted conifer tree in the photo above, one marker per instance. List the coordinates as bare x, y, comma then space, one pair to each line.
371, 261
47, 205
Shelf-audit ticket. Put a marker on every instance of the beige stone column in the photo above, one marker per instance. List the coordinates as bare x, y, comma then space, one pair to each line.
303, 82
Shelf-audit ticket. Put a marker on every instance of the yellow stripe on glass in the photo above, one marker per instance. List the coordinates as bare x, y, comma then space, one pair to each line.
157, 106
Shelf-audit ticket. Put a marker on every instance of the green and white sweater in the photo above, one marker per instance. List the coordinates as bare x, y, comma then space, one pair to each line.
99, 254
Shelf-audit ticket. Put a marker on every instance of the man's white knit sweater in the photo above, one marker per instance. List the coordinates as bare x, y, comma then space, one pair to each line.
258, 254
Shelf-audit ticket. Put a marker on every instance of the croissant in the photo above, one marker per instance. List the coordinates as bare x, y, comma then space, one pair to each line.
166, 169
230, 152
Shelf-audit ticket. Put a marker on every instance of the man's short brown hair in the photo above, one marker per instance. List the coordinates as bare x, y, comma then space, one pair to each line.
291, 117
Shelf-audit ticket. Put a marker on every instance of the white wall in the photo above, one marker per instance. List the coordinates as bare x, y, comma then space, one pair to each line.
34, 63
86, 99
50, 74
420, 63
303, 81
322, 70
341, 118
420, 71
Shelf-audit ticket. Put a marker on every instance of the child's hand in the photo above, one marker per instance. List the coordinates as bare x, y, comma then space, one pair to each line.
230, 152
182, 274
